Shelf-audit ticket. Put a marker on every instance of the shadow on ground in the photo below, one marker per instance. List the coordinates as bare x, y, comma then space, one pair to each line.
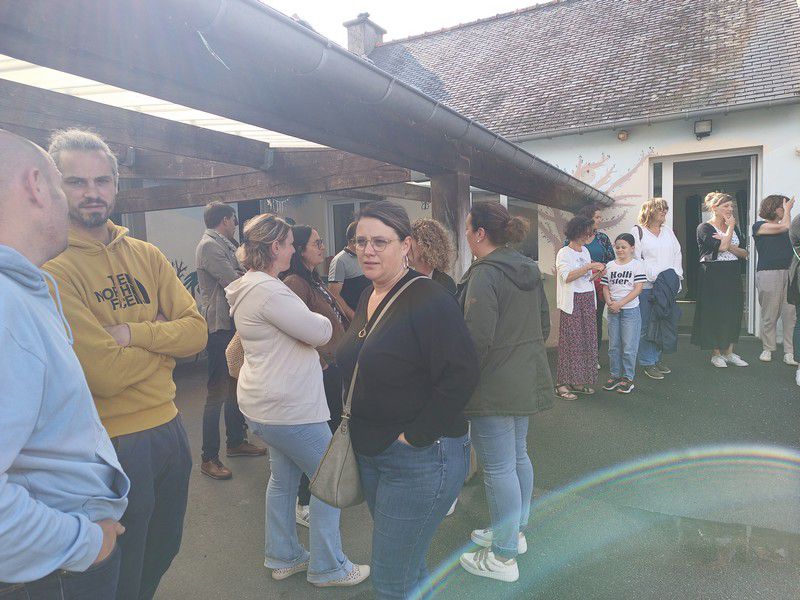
679, 536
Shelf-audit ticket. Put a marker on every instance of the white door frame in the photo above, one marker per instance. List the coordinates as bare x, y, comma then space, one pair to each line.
756, 155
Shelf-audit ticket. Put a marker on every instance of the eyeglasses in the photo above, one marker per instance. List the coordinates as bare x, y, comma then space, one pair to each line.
378, 243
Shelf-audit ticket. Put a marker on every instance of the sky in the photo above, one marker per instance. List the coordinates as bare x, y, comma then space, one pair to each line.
400, 18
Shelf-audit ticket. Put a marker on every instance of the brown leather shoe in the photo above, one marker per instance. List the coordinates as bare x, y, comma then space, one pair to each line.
246, 449
215, 469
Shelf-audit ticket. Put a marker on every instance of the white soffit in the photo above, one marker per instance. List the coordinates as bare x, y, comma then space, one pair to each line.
65, 83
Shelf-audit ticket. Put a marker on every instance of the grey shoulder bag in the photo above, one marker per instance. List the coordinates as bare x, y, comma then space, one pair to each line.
337, 481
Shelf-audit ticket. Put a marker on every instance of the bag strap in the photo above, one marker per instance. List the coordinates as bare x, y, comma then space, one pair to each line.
348, 402
641, 233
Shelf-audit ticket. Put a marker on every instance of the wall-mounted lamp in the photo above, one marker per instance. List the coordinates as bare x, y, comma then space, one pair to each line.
702, 129
622, 135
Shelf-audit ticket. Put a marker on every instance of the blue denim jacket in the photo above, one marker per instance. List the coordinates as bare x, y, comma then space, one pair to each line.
59, 473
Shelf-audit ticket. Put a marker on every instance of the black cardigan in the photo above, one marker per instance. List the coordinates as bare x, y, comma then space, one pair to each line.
417, 370
709, 245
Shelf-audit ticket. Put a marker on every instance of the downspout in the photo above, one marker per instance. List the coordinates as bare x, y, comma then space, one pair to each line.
265, 31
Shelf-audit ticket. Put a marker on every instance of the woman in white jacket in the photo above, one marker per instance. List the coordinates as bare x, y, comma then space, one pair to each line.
659, 250
280, 392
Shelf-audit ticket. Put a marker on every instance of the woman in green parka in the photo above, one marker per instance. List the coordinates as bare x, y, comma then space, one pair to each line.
506, 312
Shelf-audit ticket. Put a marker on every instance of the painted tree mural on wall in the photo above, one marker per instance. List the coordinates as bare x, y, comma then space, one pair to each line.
602, 175
188, 278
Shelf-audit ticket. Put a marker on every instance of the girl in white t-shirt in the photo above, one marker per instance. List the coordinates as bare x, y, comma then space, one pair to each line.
622, 283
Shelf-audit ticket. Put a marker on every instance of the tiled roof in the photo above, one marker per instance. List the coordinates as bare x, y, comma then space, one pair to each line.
573, 63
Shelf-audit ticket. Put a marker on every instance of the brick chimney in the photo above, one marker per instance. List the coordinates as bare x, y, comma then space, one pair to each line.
363, 35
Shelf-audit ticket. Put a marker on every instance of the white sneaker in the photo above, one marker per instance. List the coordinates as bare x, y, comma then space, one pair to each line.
452, 508
281, 574
718, 361
765, 356
789, 359
483, 537
735, 359
797, 376
302, 514
484, 564
354, 577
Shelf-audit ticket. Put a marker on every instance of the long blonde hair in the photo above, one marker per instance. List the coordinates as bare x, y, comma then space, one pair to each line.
649, 210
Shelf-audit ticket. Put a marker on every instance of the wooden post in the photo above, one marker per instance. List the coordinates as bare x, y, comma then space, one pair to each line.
450, 203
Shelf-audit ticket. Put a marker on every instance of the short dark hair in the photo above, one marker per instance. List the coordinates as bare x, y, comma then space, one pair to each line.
215, 212
578, 227
770, 205
589, 210
390, 214
497, 222
626, 237
350, 233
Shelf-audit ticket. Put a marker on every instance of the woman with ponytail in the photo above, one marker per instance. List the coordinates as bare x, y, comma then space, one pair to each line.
506, 312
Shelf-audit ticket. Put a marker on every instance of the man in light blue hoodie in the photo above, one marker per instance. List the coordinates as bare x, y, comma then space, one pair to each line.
62, 490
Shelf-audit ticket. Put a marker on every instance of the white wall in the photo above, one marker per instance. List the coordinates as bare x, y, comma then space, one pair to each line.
621, 169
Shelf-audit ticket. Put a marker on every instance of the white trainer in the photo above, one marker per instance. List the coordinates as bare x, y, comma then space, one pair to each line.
483, 563
765, 356
452, 508
789, 359
302, 515
718, 361
281, 574
354, 577
484, 537
735, 359
797, 376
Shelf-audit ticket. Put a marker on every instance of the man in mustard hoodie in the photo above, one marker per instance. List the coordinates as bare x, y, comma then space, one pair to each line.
131, 317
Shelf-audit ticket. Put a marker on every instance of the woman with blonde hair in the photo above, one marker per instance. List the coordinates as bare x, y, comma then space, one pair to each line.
659, 250
720, 302
432, 252
281, 394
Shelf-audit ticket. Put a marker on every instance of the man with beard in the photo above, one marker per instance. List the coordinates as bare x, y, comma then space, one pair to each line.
131, 317
62, 489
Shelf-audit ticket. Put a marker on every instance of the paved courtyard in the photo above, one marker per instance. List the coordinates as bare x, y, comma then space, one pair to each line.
722, 523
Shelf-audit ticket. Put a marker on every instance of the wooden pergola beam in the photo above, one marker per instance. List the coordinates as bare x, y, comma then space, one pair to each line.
450, 203
34, 113
293, 173
403, 191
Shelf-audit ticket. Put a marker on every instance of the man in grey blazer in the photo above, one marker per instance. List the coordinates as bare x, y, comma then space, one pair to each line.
217, 266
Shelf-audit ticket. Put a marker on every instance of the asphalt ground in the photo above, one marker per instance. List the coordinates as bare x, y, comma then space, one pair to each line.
688, 487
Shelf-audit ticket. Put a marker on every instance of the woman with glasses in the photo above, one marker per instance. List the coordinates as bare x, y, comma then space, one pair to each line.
302, 278
417, 369
281, 393
659, 250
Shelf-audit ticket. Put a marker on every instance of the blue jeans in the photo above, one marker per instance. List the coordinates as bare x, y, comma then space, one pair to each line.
500, 443
98, 581
649, 354
158, 462
409, 491
294, 450
624, 334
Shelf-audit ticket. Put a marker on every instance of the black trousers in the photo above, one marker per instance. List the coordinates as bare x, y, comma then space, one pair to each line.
158, 462
332, 380
221, 393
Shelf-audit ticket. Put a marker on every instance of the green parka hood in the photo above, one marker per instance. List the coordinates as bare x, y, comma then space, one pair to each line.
521, 270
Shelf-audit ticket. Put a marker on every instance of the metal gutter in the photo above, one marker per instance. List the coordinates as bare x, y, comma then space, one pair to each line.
263, 30
675, 116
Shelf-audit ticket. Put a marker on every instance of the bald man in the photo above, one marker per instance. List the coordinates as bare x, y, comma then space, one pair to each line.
62, 490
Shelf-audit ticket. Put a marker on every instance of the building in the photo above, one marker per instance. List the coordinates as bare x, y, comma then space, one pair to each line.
638, 98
